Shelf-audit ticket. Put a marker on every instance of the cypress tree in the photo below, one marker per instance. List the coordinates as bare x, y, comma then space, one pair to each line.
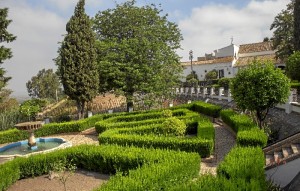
5, 36
297, 25
77, 59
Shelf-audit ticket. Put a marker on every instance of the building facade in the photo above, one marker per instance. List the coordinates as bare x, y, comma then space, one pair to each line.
227, 61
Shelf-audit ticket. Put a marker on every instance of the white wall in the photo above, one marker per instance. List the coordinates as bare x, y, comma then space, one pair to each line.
230, 50
200, 69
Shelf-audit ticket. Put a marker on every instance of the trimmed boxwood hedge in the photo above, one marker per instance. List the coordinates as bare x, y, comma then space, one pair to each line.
242, 169
248, 134
113, 123
135, 168
148, 133
206, 109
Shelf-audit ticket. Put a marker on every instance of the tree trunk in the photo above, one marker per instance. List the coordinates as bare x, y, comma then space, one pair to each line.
80, 109
129, 106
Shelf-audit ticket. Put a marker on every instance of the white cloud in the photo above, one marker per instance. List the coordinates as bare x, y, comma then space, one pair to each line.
211, 27
38, 31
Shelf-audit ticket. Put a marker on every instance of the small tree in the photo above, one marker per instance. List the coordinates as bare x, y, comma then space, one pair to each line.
293, 66
211, 75
30, 108
77, 60
44, 85
192, 79
259, 87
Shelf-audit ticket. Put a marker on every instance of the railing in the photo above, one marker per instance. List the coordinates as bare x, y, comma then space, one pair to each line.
293, 103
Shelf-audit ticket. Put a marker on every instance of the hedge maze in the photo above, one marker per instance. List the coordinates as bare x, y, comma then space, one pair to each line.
147, 151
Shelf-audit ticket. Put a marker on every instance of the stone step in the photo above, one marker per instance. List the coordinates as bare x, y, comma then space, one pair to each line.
296, 148
269, 159
287, 151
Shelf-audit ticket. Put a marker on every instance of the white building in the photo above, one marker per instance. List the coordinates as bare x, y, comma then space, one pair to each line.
227, 60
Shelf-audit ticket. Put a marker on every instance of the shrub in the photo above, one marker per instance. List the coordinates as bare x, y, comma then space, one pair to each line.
207, 109
224, 82
244, 163
173, 126
248, 134
166, 113
138, 169
12, 135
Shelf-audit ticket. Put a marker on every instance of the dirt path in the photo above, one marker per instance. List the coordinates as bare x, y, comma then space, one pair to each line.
81, 180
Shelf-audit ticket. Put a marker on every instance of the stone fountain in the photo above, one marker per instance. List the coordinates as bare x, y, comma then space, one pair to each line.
30, 127
33, 145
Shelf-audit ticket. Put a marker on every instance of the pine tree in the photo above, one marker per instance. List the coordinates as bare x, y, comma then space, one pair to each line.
5, 37
76, 61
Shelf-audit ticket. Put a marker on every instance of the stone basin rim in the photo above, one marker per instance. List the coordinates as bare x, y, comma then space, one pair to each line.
64, 144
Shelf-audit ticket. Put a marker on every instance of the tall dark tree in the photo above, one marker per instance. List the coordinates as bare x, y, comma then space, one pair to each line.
283, 35
76, 62
45, 85
5, 37
136, 51
297, 25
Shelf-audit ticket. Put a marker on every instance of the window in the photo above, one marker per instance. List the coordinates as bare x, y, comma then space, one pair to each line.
221, 73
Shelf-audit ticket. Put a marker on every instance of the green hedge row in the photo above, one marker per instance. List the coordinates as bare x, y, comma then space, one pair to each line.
242, 169
135, 168
248, 134
203, 147
207, 109
107, 124
148, 133
14, 135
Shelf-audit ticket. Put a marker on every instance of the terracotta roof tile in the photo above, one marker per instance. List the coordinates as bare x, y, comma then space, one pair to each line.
243, 61
256, 47
212, 61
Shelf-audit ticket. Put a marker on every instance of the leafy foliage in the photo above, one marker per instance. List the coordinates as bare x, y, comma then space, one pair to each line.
30, 108
192, 79
259, 87
5, 36
293, 66
283, 35
211, 75
173, 126
77, 59
44, 85
136, 52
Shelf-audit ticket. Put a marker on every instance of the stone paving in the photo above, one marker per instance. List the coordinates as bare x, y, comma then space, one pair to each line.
224, 141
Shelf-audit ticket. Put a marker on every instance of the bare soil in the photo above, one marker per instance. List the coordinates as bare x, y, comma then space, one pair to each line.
81, 180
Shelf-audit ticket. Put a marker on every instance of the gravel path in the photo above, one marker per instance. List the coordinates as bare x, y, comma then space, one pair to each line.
224, 141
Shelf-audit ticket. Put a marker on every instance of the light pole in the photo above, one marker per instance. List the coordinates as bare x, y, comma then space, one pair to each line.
191, 58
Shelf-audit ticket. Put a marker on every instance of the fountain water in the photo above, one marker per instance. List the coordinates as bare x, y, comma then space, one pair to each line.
32, 145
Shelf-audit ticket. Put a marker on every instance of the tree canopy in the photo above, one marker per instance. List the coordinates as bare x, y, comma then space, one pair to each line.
76, 62
5, 37
259, 87
293, 66
45, 85
136, 51
283, 35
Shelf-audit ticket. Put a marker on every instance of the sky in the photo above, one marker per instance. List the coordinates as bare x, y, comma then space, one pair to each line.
206, 25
